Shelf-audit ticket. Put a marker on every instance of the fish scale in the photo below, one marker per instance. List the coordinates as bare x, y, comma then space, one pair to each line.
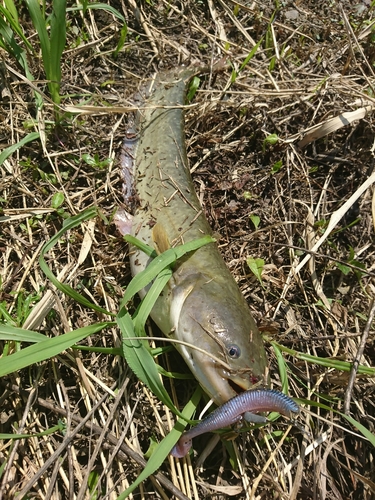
202, 303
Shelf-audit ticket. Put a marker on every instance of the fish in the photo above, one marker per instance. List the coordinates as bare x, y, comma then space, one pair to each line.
236, 409
202, 304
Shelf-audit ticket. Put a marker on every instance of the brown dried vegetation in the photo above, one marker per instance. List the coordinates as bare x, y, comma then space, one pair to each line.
314, 63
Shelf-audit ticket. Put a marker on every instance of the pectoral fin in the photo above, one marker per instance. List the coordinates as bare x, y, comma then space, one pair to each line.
123, 221
180, 294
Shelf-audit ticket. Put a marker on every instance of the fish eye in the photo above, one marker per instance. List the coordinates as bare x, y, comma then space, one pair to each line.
234, 351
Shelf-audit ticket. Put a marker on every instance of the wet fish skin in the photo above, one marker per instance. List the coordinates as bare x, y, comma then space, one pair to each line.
202, 303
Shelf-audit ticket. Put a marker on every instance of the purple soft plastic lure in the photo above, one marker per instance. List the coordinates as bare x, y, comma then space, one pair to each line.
241, 406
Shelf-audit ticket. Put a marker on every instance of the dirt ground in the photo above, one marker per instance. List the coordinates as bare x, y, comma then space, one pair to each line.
277, 146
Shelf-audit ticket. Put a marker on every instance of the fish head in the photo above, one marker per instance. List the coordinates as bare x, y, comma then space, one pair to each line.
226, 352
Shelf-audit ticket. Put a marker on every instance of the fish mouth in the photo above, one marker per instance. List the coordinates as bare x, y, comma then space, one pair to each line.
239, 385
236, 387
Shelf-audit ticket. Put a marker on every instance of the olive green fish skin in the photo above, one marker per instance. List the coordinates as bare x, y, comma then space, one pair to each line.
202, 304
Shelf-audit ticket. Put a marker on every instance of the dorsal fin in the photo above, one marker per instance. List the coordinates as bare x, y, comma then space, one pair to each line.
160, 238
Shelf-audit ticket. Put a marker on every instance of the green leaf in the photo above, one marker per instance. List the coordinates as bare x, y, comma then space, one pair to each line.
250, 56
343, 268
283, 370
12, 333
359, 264
121, 42
140, 360
61, 427
255, 220
362, 429
11, 149
46, 349
52, 48
276, 167
69, 223
271, 139
245, 62
328, 362
159, 263
193, 87
92, 483
57, 200
39, 23
137, 352
150, 251
11, 9
57, 45
89, 160
8, 27
152, 447
98, 6
149, 300
256, 267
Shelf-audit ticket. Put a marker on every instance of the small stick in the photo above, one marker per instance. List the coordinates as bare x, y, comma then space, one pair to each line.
95, 429
353, 372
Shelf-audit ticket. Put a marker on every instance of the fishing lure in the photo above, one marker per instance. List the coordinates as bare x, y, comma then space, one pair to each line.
233, 411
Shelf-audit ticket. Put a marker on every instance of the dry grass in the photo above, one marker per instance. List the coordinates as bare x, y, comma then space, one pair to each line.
311, 83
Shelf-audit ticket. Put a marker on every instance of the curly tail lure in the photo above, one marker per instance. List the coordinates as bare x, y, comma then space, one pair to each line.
240, 407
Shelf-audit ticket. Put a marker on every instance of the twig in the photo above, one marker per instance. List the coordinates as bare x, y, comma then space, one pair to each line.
96, 429
336, 217
91, 464
353, 372
4, 485
141, 19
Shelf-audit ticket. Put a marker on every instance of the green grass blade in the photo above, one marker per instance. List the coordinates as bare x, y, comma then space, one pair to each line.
164, 447
8, 43
66, 289
336, 364
11, 149
149, 300
136, 352
39, 23
362, 429
250, 55
57, 45
11, 8
12, 333
13, 26
56, 428
139, 358
99, 6
141, 245
159, 263
283, 370
108, 351
122, 39
46, 349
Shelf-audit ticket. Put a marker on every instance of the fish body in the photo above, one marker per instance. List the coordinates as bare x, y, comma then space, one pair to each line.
202, 304
231, 412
